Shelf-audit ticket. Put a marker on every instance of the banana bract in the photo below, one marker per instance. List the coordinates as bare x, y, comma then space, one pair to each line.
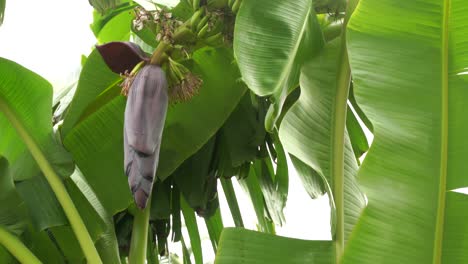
145, 114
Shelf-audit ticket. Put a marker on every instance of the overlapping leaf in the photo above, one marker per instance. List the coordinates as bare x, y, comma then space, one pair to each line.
271, 53
410, 79
239, 245
307, 130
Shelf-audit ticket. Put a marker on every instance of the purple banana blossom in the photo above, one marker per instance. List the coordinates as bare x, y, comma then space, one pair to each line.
145, 114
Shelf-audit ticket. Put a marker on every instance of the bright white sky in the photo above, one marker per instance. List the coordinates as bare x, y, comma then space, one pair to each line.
49, 37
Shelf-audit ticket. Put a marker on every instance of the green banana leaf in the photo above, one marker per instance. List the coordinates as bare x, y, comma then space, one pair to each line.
311, 180
95, 79
116, 29
192, 228
251, 185
409, 62
238, 245
214, 225
356, 133
196, 179
270, 54
309, 132
100, 20
231, 199
25, 114
13, 213
26, 103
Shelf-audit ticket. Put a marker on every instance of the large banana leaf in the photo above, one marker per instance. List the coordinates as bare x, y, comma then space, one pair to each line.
25, 115
309, 132
238, 245
26, 102
409, 62
95, 79
271, 40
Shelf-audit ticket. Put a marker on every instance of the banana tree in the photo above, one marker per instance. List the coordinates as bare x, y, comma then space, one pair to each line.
249, 85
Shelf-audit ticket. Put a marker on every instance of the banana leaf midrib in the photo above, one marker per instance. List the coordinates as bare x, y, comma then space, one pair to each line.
439, 230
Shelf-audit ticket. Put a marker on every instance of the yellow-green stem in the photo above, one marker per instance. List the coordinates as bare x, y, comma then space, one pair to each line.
138, 244
76, 223
17, 248
158, 54
338, 135
440, 220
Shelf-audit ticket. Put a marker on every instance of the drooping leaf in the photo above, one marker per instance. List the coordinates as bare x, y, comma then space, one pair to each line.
238, 245
250, 183
410, 80
312, 181
270, 54
231, 199
214, 225
161, 200
357, 137
242, 133
176, 218
309, 132
357, 108
274, 185
196, 179
192, 228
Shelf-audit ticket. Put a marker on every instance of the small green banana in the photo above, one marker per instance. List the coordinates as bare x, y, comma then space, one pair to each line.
183, 34
215, 40
195, 19
230, 3
235, 6
216, 28
202, 23
202, 33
